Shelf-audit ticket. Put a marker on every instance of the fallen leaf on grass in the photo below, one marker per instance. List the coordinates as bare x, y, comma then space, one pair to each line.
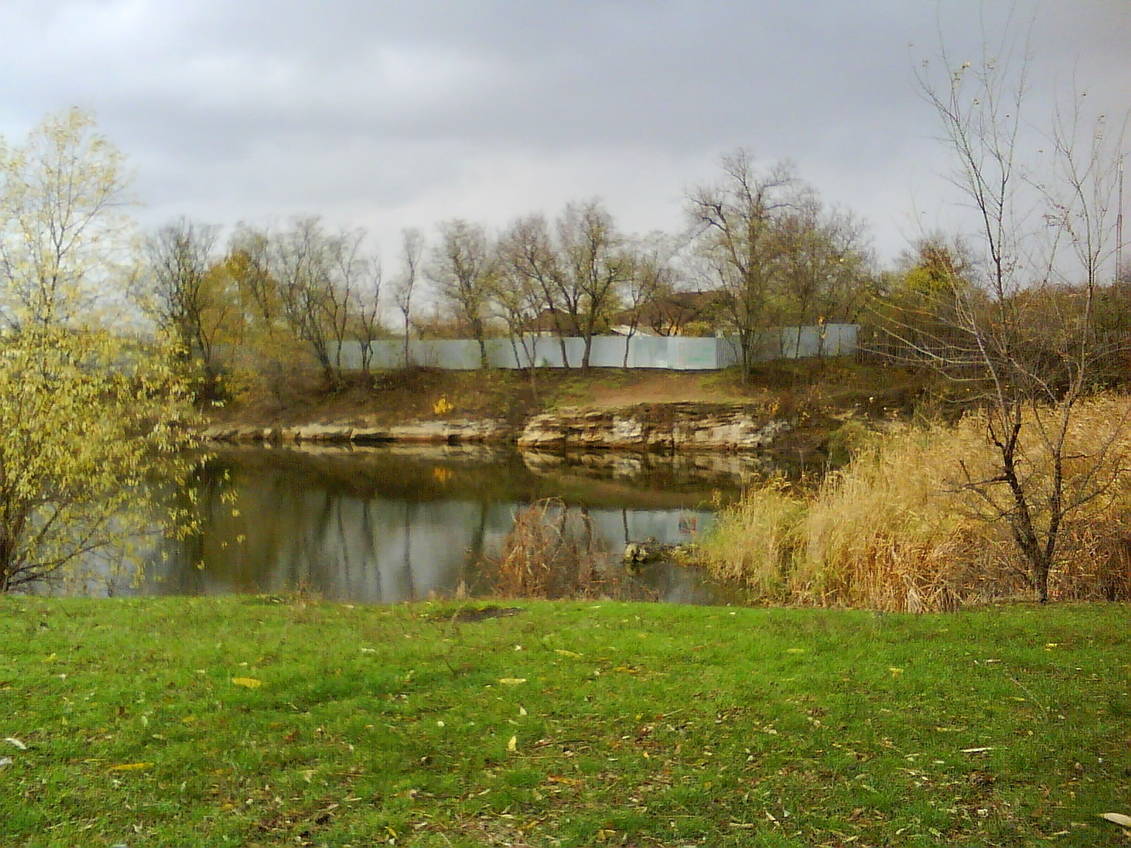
976, 750
512, 681
248, 682
129, 767
512, 744
1117, 818
5, 761
568, 781
12, 740
895, 672
566, 653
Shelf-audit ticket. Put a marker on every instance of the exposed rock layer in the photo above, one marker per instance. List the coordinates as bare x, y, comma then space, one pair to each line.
654, 427
331, 433
647, 427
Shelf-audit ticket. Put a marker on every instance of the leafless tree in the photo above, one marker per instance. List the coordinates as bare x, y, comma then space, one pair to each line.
412, 251
652, 275
595, 266
187, 295
528, 258
462, 267
316, 273
737, 225
518, 300
1027, 349
365, 275
824, 264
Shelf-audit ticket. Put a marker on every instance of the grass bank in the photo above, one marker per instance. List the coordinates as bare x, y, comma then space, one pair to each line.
261, 721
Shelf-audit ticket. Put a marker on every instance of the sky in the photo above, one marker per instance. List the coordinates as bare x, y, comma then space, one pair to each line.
384, 114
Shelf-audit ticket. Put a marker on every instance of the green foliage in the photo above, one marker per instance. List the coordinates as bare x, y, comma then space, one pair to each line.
82, 418
83, 412
846, 440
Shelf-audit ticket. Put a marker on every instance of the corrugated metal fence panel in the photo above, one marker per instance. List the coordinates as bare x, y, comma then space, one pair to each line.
841, 339
727, 351
605, 352
683, 353
651, 352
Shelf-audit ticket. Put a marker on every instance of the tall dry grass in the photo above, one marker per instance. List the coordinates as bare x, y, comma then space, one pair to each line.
756, 541
898, 529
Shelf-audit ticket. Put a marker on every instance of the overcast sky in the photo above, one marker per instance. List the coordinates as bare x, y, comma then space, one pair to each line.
392, 114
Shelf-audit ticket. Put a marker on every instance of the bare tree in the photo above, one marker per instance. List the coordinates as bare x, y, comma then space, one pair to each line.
1029, 351
366, 277
518, 301
187, 295
823, 264
528, 258
412, 249
299, 265
736, 222
595, 266
317, 274
651, 275
462, 268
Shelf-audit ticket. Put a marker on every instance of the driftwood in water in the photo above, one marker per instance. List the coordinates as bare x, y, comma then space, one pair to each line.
638, 554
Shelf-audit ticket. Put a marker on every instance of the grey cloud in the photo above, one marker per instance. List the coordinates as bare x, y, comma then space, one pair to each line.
382, 111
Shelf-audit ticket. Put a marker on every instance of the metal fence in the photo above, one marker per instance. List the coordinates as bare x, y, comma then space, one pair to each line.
676, 353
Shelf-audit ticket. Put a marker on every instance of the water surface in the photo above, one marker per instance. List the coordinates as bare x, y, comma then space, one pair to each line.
396, 523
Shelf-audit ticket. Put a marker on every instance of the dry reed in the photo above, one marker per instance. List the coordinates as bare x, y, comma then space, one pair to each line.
899, 529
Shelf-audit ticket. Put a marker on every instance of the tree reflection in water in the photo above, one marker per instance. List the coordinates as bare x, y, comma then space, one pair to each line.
392, 524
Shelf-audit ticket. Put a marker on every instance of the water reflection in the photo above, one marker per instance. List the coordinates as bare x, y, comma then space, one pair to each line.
394, 524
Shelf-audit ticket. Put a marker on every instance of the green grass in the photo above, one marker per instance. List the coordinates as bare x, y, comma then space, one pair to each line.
632, 725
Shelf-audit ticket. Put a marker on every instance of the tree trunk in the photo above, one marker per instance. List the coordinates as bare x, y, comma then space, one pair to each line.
1041, 579
561, 337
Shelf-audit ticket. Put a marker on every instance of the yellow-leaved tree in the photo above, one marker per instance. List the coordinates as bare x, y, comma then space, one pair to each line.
87, 412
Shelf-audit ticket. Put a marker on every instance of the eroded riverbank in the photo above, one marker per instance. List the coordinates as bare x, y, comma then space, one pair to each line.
662, 427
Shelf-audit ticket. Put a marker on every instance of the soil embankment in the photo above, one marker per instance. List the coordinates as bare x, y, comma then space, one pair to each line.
793, 406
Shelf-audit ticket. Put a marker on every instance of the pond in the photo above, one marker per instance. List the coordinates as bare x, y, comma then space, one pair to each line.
399, 523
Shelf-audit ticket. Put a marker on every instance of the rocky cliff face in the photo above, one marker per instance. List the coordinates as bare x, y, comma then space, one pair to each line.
451, 432
667, 427
654, 427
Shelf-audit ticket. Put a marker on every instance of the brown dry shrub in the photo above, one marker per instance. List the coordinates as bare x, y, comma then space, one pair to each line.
552, 552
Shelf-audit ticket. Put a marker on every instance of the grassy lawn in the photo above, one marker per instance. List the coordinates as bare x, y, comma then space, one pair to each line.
258, 721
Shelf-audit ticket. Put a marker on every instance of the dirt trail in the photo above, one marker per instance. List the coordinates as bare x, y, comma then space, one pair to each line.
666, 387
